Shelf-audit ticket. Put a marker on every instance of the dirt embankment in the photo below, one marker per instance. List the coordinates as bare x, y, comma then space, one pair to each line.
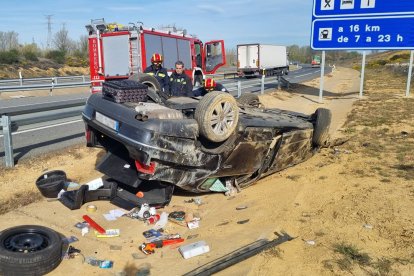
350, 207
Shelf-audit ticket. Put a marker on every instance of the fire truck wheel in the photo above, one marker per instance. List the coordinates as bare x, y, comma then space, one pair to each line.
148, 80
217, 115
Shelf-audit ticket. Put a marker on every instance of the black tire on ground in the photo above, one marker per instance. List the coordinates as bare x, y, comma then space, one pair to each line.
51, 183
29, 250
146, 79
249, 99
217, 115
322, 123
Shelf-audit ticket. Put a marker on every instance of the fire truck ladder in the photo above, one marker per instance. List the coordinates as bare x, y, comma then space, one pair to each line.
135, 53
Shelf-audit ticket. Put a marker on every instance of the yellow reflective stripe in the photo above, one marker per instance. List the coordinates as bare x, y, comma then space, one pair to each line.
161, 75
151, 73
184, 82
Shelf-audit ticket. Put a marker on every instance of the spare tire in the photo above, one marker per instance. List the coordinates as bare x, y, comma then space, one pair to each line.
146, 79
217, 115
322, 122
249, 99
29, 250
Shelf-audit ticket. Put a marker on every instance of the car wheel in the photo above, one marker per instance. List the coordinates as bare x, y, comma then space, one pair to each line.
146, 79
29, 250
249, 99
322, 123
217, 115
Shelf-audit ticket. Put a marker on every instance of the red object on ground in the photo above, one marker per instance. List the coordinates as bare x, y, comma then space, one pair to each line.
93, 224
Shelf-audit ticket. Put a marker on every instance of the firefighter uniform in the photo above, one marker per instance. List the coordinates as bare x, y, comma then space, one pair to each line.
180, 85
208, 86
160, 74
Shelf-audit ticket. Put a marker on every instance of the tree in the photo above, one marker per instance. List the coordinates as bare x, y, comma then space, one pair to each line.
62, 41
9, 41
231, 57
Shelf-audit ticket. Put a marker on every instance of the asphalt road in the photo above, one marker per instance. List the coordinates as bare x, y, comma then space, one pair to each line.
39, 138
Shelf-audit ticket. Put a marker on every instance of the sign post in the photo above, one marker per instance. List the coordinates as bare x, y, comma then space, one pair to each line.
363, 25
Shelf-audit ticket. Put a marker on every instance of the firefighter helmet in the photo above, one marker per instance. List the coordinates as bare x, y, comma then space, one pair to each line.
156, 58
209, 84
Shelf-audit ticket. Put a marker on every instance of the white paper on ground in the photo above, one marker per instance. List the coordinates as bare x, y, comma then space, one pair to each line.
95, 184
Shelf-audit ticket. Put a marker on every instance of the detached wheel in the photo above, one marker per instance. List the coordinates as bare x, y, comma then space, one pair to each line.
249, 99
146, 79
322, 123
29, 250
217, 115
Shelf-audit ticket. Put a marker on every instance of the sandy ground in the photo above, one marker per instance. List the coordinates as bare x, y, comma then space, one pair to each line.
318, 202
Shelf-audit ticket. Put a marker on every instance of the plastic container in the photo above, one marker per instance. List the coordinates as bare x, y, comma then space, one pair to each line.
194, 249
51, 183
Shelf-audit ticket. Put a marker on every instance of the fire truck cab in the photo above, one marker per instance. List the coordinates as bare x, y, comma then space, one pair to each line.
118, 52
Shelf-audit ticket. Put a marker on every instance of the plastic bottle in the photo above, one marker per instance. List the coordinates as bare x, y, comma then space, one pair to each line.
162, 221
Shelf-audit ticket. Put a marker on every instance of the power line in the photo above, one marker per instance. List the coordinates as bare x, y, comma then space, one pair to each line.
49, 30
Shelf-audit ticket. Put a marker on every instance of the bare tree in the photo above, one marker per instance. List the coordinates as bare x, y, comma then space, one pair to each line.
231, 57
8, 41
83, 45
62, 41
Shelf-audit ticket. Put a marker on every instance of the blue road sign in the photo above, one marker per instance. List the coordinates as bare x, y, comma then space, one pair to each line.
366, 33
337, 8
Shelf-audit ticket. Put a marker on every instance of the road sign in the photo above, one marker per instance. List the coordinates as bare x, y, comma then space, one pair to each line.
362, 24
329, 8
363, 33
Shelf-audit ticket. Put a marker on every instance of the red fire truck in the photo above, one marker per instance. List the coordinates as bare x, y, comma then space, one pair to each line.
119, 52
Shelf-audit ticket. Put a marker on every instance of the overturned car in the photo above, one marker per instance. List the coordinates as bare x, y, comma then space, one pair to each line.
191, 143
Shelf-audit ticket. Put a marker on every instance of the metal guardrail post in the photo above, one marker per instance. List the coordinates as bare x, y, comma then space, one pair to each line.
262, 85
8, 143
279, 85
238, 88
83, 78
20, 78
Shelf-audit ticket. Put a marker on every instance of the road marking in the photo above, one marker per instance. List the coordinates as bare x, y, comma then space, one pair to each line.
303, 75
44, 127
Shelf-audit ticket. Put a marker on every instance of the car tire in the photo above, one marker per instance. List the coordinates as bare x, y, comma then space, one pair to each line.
29, 250
249, 99
51, 183
146, 79
322, 123
217, 115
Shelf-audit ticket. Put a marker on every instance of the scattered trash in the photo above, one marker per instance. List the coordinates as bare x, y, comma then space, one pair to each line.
241, 207
368, 226
193, 249
115, 247
127, 166
195, 223
162, 222
71, 186
100, 263
197, 201
70, 239
114, 214
179, 215
153, 219
81, 225
192, 236
218, 186
223, 223
149, 248
71, 253
151, 234
231, 190
310, 242
85, 231
95, 184
93, 224
243, 221
91, 208
109, 233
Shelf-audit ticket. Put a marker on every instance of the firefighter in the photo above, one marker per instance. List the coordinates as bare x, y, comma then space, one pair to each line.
208, 86
159, 72
180, 83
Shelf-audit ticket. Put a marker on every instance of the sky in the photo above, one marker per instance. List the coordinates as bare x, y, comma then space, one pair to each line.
279, 22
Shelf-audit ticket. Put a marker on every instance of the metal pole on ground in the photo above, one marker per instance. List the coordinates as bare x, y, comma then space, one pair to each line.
262, 85
410, 72
361, 87
8, 143
322, 78
238, 88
